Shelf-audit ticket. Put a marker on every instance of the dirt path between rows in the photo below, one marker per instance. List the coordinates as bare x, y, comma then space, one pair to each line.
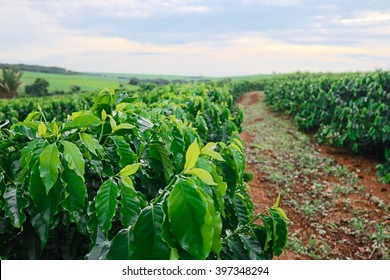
336, 206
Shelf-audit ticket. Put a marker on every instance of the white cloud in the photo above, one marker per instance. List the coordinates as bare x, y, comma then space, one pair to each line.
115, 8
37, 38
365, 18
281, 3
197, 9
242, 54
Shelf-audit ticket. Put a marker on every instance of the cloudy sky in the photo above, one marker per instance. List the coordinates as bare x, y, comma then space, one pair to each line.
197, 37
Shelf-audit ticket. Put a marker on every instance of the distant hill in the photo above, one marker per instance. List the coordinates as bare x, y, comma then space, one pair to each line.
38, 68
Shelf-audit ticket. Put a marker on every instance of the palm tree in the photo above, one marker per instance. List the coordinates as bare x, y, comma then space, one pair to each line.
10, 82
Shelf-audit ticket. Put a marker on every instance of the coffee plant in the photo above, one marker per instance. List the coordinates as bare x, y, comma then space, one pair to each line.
345, 110
58, 107
156, 175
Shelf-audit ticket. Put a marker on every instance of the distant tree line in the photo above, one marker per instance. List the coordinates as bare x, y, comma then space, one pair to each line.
37, 68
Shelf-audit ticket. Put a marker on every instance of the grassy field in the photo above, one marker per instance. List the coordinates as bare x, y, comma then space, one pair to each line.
95, 81
98, 81
85, 81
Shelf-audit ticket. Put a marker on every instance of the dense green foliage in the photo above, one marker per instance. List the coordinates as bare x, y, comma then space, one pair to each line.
38, 88
136, 176
349, 110
58, 107
160, 82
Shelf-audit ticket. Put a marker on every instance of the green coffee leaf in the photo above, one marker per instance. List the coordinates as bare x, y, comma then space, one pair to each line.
210, 146
166, 233
129, 169
30, 154
112, 123
148, 244
166, 161
99, 247
216, 223
76, 194
41, 129
15, 203
120, 248
143, 240
104, 115
49, 164
237, 248
91, 143
177, 148
192, 155
213, 154
278, 209
276, 204
253, 247
56, 131
127, 182
83, 121
121, 106
202, 174
46, 204
268, 226
74, 158
130, 205
281, 212
106, 203
190, 219
220, 191
32, 116
280, 232
123, 149
123, 126
92, 224
240, 209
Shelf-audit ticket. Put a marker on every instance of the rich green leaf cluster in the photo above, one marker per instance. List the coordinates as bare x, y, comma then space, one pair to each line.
137, 176
349, 110
58, 107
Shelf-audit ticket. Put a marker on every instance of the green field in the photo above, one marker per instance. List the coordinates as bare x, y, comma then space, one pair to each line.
59, 82
98, 81
94, 81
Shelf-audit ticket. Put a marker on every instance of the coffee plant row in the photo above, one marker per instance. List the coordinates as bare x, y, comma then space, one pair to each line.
346, 110
58, 107
157, 175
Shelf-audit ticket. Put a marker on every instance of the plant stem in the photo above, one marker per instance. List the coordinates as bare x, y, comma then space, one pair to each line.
101, 132
161, 195
241, 228
150, 139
